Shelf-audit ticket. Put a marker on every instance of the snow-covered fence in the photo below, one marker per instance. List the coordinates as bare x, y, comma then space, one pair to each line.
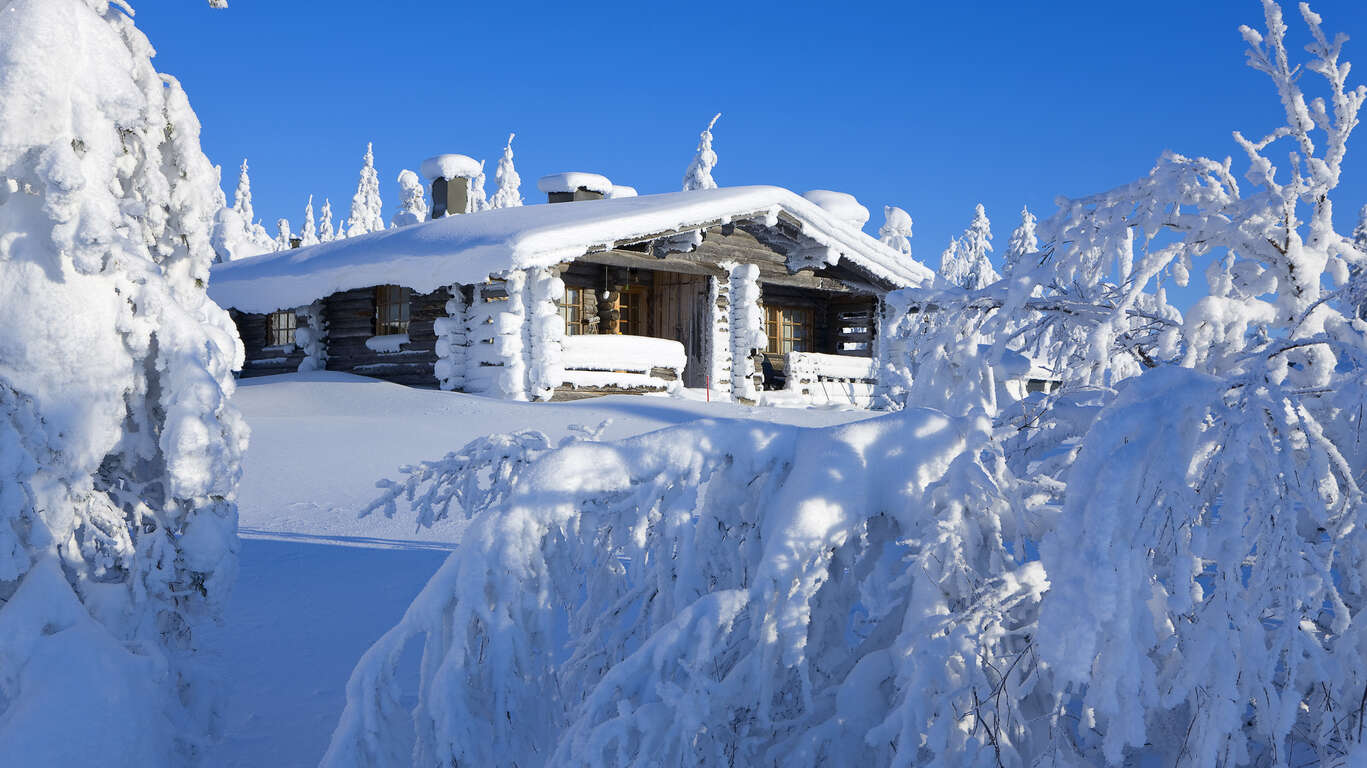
823, 379
622, 363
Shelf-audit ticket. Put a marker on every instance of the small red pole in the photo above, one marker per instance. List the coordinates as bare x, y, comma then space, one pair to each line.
708, 380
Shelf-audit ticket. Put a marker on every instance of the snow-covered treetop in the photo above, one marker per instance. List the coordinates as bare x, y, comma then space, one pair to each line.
622, 190
476, 200
284, 235
1023, 241
841, 205
573, 181
1360, 231
896, 230
242, 198
413, 205
699, 173
451, 166
509, 193
325, 231
309, 234
965, 262
367, 212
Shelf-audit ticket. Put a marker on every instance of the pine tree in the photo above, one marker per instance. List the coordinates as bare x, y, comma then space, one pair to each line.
699, 173
282, 239
325, 231
256, 239
1022, 243
367, 212
896, 230
120, 448
509, 193
477, 199
965, 262
413, 209
309, 235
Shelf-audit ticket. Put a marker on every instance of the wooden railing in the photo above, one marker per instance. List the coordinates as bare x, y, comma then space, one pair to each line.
610, 364
831, 379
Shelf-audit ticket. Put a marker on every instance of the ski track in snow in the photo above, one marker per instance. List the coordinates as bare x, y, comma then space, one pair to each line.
317, 584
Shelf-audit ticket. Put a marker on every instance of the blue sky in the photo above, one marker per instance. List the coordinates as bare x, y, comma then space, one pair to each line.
931, 106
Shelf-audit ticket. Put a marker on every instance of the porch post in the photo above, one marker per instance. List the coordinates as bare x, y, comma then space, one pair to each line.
747, 331
313, 338
717, 343
453, 341
545, 333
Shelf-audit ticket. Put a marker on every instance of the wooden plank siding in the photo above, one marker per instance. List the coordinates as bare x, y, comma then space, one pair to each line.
351, 321
260, 359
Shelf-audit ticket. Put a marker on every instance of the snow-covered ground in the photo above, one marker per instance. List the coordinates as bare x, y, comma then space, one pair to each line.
318, 585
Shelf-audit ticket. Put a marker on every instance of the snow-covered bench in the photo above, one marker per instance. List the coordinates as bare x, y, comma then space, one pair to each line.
617, 364
823, 379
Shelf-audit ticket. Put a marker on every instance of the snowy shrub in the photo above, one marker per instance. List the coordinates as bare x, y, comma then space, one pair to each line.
705, 595
119, 450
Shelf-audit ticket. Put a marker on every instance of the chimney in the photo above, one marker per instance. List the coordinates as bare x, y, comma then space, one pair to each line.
569, 187
450, 176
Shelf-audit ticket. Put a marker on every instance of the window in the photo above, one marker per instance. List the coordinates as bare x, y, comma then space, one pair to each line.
631, 303
391, 310
789, 329
579, 307
280, 328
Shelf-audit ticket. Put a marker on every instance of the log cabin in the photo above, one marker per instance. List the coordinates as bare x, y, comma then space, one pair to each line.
736, 290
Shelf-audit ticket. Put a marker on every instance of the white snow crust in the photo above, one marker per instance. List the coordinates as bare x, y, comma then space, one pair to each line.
842, 205
469, 249
622, 190
574, 181
451, 167
622, 353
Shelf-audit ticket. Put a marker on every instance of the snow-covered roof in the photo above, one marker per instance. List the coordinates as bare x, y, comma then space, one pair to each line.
622, 190
472, 247
451, 167
573, 182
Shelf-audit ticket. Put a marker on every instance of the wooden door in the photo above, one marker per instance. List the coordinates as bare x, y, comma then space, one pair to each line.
678, 311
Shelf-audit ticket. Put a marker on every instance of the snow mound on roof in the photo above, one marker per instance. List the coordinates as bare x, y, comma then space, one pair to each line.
451, 167
574, 181
840, 205
622, 190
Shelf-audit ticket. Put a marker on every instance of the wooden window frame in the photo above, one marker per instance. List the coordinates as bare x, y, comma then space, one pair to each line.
633, 318
579, 307
280, 328
779, 324
393, 309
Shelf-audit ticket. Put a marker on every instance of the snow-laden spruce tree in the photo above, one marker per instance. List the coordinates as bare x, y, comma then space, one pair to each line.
1023, 241
896, 230
283, 235
236, 233
965, 262
119, 449
309, 234
326, 233
413, 208
509, 194
699, 173
367, 212
478, 200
